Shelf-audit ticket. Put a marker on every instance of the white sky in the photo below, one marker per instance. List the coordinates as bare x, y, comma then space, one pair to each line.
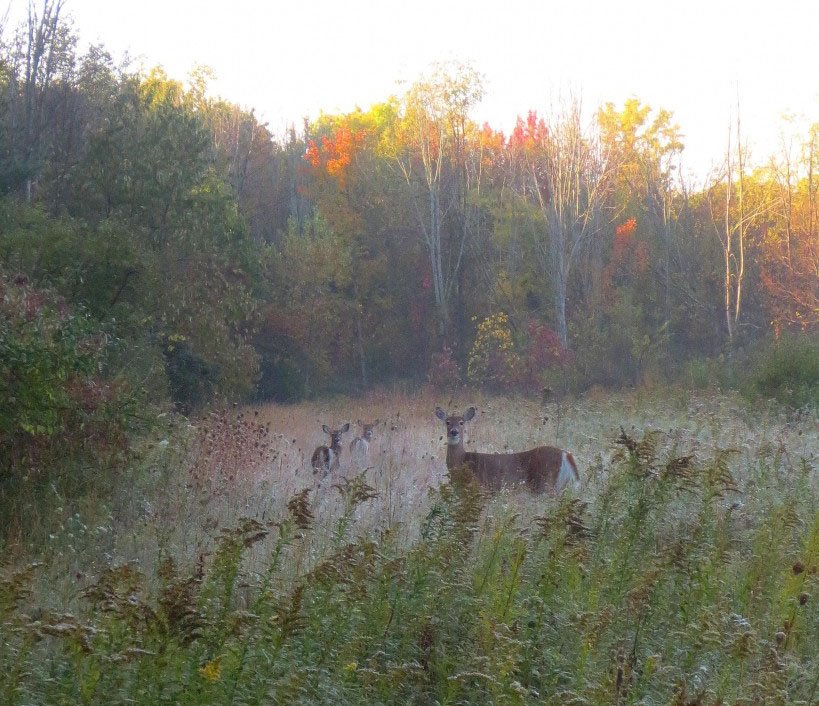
294, 59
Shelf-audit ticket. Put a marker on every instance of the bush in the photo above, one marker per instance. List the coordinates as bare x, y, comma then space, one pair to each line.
545, 360
788, 371
444, 373
493, 362
191, 379
281, 379
53, 388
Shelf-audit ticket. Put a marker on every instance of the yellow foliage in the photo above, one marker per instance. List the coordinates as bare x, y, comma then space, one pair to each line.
493, 360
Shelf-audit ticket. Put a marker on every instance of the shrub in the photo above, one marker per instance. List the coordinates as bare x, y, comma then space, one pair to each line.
493, 361
192, 380
787, 371
53, 387
281, 379
544, 358
444, 373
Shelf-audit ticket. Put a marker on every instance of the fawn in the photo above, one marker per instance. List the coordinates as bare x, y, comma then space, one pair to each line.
327, 458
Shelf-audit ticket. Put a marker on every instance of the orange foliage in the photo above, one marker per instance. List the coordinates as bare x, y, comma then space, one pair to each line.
788, 270
336, 152
626, 228
629, 257
492, 143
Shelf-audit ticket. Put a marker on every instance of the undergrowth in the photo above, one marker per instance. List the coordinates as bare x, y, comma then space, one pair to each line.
674, 581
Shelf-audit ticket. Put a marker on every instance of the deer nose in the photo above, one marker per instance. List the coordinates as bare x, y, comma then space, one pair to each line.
453, 433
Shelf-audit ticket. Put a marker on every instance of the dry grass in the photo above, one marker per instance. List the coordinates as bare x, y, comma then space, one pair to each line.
702, 508
260, 457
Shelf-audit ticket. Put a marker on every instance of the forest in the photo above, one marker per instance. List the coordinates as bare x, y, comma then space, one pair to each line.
221, 261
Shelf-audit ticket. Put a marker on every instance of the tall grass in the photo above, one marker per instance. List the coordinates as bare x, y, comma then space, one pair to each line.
685, 572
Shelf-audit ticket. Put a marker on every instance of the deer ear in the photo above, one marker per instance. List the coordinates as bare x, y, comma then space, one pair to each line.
326, 429
469, 414
345, 428
440, 414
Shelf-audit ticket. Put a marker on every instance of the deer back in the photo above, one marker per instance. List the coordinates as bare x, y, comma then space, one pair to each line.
538, 468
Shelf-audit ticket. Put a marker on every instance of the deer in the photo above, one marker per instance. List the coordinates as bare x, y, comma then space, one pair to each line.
542, 468
360, 446
327, 458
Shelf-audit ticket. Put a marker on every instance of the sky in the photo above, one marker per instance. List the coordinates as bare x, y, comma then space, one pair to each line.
296, 59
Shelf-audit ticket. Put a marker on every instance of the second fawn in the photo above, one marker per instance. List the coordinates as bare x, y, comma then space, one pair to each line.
360, 446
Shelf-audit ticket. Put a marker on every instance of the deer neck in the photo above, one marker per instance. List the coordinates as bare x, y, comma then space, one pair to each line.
455, 454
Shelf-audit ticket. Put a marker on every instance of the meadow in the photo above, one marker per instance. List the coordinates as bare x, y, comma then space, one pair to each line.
685, 570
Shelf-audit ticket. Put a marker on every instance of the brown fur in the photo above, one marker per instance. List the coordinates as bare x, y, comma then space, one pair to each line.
328, 458
538, 468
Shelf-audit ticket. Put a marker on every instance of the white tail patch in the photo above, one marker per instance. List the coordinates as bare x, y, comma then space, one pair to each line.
568, 472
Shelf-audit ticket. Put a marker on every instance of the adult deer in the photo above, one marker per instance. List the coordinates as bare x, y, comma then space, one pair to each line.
360, 446
327, 458
542, 468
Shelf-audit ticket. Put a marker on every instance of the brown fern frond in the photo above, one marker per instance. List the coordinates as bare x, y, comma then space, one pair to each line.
299, 507
16, 587
356, 490
569, 518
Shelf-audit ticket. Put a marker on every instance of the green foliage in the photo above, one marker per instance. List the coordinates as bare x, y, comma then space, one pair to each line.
787, 370
280, 379
191, 380
666, 585
62, 412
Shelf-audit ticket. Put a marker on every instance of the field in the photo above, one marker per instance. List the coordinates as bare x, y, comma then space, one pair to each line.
685, 570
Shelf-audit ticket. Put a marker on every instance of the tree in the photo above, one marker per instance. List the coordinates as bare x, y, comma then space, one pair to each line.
646, 152
566, 172
790, 245
428, 149
731, 219
43, 53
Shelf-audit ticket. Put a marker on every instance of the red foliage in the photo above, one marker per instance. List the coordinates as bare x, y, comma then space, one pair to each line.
443, 370
543, 350
626, 228
629, 257
529, 133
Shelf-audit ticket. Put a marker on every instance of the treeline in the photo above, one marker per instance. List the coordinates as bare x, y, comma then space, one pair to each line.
400, 242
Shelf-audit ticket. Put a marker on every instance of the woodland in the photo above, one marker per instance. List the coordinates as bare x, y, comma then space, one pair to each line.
207, 258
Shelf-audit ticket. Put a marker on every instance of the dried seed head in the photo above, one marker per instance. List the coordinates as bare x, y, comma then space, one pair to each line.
798, 568
803, 598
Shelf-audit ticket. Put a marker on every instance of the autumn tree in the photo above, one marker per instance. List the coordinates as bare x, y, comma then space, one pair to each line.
646, 150
428, 148
563, 169
789, 247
